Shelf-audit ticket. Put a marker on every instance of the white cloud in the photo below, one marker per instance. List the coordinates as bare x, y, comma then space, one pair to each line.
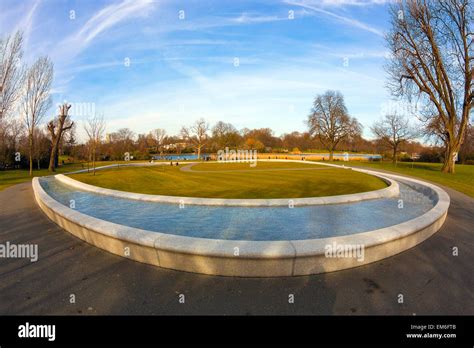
344, 19
20, 18
341, 3
209, 22
100, 22
277, 97
244, 18
111, 15
259, 93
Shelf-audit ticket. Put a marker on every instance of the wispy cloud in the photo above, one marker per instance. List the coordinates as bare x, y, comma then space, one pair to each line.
341, 3
245, 98
103, 20
184, 68
344, 19
361, 53
210, 22
26, 23
111, 15
245, 18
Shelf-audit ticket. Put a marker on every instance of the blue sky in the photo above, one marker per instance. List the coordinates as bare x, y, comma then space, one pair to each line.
245, 62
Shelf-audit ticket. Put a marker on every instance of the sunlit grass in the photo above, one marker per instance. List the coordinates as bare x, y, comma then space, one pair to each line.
17, 176
462, 180
266, 180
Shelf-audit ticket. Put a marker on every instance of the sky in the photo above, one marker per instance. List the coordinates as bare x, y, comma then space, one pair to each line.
147, 64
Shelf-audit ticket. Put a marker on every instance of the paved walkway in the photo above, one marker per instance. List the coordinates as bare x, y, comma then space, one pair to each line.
430, 278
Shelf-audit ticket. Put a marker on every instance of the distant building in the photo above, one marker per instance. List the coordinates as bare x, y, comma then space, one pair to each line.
175, 146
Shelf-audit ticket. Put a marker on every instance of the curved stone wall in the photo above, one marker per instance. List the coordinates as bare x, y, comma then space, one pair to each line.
246, 258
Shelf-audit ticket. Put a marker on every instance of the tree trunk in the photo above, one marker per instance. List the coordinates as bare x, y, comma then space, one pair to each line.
331, 155
199, 152
394, 155
30, 143
52, 166
93, 159
448, 164
56, 157
56, 138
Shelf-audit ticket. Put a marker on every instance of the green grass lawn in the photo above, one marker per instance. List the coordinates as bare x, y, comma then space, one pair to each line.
462, 180
17, 176
217, 180
260, 165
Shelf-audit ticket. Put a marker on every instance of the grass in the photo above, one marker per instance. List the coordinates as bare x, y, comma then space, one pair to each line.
462, 180
217, 180
17, 176
260, 165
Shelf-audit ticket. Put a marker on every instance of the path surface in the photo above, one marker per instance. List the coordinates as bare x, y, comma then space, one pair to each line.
430, 278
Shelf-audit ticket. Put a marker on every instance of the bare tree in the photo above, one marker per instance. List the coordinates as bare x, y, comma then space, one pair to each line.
41, 148
57, 128
36, 100
196, 134
16, 131
11, 73
225, 134
432, 53
159, 136
330, 122
467, 150
95, 128
393, 130
11, 132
